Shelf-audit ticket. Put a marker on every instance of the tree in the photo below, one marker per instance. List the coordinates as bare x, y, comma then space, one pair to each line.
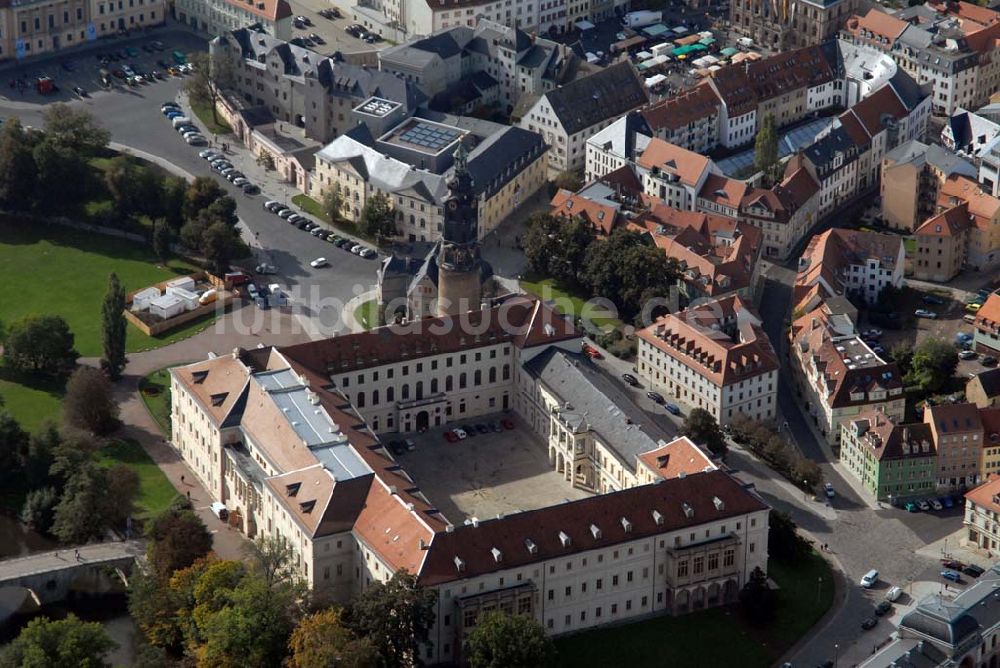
65, 642
377, 218
177, 538
783, 541
272, 558
172, 200
766, 147
18, 172
40, 344
42, 446
39, 509
500, 640
60, 176
86, 510
902, 353
266, 160
933, 365
121, 179
805, 473
251, 630
396, 615
113, 328
13, 447
199, 195
88, 403
568, 180
218, 246
757, 600
162, 238
320, 640
626, 270
333, 202
211, 75
700, 426
74, 129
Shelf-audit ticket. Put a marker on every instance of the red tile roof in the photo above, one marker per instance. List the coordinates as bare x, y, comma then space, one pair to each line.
679, 456
948, 223
567, 204
986, 495
723, 191
876, 24
983, 207
523, 321
687, 165
390, 528
988, 315
569, 528
678, 111
887, 440
721, 340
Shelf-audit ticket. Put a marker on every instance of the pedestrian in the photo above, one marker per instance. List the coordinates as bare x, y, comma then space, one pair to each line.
189, 494
182, 478
77, 553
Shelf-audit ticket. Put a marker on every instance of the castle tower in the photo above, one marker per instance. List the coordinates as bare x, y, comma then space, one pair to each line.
460, 268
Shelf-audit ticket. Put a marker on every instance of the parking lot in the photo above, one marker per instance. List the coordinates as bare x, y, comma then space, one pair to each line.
330, 30
82, 67
486, 474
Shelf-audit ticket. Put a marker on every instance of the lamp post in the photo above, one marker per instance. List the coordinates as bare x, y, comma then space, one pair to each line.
836, 648
805, 486
819, 588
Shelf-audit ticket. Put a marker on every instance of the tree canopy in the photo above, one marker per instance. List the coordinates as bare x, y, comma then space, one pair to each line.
933, 365
88, 403
177, 538
74, 128
396, 615
377, 217
321, 640
700, 426
64, 642
113, 330
40, 344
500, 640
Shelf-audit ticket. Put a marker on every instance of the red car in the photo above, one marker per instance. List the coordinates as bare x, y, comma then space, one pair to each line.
450, 436
593, 353
507, 423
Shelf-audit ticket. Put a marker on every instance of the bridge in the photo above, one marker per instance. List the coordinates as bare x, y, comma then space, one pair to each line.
49, 577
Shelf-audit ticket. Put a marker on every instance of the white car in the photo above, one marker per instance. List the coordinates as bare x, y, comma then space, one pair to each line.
458, 431
936, 505
196, 140
828, 489
893, 594
318, 262
271, 203
209, 154
924, 313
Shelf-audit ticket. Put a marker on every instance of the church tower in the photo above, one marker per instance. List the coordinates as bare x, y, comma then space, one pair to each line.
460, 268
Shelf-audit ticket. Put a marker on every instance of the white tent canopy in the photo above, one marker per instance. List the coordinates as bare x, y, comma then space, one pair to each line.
585, 25
655, 80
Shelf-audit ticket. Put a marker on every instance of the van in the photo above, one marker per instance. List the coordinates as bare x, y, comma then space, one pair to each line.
208, 296
181, 120
969, 318
869, 579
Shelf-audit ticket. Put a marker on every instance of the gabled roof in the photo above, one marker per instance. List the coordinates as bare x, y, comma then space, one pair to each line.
949, 223
523, 321
723, 190
672, 159
988, 316
569, 528
990, 382
886, 440
593, 99
983, 207
603, 216
678, 457
953, 418
679, 111
217, 383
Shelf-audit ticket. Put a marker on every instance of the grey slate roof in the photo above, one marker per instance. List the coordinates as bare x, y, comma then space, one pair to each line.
593, 99
909, 91
990, 381
949, 162
594, 401
501, 157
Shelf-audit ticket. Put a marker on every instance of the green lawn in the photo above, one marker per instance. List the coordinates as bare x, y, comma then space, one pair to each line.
367, 313
155, 491
204, 114
58, 270
910, 244
155, 392
717, 637
571, 304
30, 400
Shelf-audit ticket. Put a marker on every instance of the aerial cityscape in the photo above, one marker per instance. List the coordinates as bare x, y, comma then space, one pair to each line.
500, 334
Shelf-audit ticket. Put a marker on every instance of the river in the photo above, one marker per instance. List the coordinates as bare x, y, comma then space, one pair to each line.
110, 610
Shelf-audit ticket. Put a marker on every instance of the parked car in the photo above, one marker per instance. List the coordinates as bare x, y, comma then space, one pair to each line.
973, 571
673, 409
953, 564
872, 333
285, 214
882, 608
630, 379
924, 313
869, 579
988, 360
460, 433
482, 428
947, 502
209, 154
973, 308
507, 423
967, 355
932, 299
368, 253
911, 507
196, 140
318, 262
592, 352
936, 505
949, 574
893, 594
316, 38
266, 269
924, 506
828, 490
869, 623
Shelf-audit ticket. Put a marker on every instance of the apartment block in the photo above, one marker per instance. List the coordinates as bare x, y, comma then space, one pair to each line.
892, 461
